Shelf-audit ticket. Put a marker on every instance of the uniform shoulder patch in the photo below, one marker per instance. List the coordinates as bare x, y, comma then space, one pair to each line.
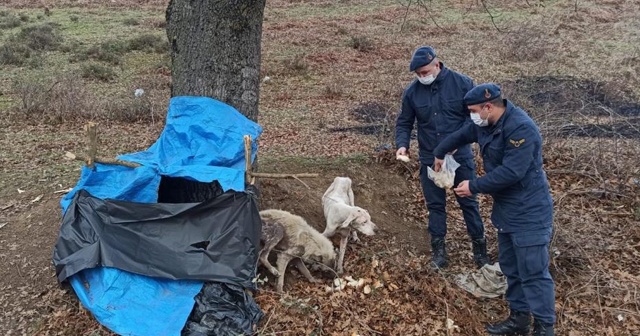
516, 143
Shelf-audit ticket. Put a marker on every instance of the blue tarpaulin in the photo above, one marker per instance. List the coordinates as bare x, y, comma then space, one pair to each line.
202, 141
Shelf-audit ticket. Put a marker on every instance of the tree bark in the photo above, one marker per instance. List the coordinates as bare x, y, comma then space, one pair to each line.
215, 50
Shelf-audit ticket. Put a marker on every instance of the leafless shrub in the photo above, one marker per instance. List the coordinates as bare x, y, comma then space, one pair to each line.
155, 23
131, 109
14, 54
131, 22
9, 20
297, 64
41, 37
529, 42
98, 72
52, 100
361, 43
334, 90
149, 43
66, 98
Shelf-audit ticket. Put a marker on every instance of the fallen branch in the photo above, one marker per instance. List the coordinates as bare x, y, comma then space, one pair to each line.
490, 15
277, 175
103, 160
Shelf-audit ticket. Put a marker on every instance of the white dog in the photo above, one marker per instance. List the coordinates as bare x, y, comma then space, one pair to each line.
294, 239
342, 215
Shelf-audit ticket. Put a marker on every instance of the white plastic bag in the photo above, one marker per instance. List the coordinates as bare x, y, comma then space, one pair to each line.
447, 174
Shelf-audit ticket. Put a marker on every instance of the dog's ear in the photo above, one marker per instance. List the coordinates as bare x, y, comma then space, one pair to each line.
349, 219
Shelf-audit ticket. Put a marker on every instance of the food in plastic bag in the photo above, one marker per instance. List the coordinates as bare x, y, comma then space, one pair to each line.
447, 174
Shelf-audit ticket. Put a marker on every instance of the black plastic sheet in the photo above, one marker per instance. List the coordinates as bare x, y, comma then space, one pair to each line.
214, 240
221, 310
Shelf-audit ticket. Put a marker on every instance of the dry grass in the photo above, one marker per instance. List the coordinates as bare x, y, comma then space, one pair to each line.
562, 64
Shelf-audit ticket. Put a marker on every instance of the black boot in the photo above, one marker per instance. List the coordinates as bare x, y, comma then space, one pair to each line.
542, 329
439, 253
517, 324
480, 252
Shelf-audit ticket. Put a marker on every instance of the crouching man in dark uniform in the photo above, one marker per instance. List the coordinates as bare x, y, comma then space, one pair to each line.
511, 148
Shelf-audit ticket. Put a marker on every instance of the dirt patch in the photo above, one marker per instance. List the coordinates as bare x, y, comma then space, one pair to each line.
378, 189
25, 259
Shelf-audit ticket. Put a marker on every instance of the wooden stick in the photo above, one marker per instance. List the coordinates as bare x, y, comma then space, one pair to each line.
90, 128
247, 160
276, 175
103, 160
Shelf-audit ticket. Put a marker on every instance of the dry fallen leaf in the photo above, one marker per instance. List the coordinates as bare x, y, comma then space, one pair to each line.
374, 263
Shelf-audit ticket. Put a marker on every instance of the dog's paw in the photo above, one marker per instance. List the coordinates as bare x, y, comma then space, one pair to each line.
274, 271
315, 280
354, 238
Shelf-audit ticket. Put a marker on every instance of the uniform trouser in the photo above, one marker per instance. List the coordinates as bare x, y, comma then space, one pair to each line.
435, 198
524, 260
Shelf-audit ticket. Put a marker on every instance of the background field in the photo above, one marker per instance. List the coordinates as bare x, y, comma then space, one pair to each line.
334, 73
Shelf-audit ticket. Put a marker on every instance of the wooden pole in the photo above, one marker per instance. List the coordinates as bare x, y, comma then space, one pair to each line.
92, 150
247, 160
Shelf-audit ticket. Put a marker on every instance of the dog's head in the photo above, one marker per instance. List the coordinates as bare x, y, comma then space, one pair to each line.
327, 259
362, 221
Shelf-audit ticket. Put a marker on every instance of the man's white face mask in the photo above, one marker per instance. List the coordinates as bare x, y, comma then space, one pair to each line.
427, 80
475, 117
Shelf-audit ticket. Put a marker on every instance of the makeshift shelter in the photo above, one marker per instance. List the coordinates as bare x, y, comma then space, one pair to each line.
136, 257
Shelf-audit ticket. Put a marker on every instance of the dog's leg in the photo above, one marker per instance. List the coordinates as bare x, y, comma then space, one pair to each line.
264, 259
305, 271
272, 235
343, 248
283, 261
354, 236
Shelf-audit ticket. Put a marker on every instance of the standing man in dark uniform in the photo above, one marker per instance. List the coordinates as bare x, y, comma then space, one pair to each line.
434, 100
511, 148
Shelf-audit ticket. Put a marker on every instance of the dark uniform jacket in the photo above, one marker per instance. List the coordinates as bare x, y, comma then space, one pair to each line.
439, 111
512, 156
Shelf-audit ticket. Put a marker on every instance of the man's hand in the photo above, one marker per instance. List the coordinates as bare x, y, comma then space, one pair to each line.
401, 155
437, 165
462, 190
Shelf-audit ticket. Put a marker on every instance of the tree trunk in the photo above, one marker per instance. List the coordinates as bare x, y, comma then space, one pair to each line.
215, 50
